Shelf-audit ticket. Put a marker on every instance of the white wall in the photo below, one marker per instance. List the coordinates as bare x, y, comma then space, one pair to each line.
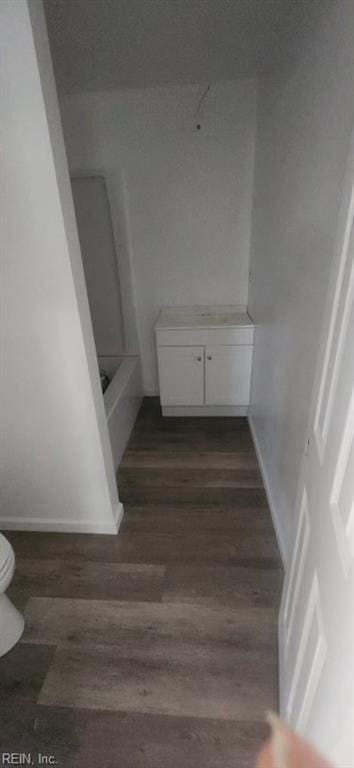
57, 470
188, 192
304, 123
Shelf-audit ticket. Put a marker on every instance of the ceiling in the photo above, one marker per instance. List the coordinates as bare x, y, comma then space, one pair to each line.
103, 44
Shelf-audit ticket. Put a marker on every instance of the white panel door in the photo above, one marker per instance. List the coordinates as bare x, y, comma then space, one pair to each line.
316, 627
228, 375
181, 375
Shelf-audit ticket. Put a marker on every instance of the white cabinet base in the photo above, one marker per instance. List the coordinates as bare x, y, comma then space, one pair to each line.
228, 375
204, 361
204, 410
181, 375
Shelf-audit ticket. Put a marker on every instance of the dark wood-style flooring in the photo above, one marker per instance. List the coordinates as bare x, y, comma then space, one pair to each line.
156, 648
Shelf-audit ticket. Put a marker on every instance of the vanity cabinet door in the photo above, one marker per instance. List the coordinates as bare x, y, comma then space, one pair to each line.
181, 375
228, 375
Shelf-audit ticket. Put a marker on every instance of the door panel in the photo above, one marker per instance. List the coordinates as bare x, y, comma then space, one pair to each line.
342, 305
316, 626
296, 578
228, 375
309, 659
342, 506
181, 375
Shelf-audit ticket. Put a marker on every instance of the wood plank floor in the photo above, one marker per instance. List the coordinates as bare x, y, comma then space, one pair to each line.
158, 647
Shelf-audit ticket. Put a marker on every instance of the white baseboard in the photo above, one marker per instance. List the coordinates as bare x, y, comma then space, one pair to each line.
273, 511
204, 410
62, 526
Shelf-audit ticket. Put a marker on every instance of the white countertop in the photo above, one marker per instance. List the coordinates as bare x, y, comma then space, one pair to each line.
174, 318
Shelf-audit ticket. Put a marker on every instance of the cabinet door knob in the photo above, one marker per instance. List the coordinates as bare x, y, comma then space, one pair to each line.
199, 358
209, 357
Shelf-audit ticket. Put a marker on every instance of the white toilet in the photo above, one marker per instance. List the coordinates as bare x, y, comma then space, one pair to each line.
11, 622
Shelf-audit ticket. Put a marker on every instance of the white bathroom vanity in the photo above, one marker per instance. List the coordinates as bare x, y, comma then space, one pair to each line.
204, 360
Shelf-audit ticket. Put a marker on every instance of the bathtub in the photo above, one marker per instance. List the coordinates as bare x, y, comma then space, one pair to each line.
122, 399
